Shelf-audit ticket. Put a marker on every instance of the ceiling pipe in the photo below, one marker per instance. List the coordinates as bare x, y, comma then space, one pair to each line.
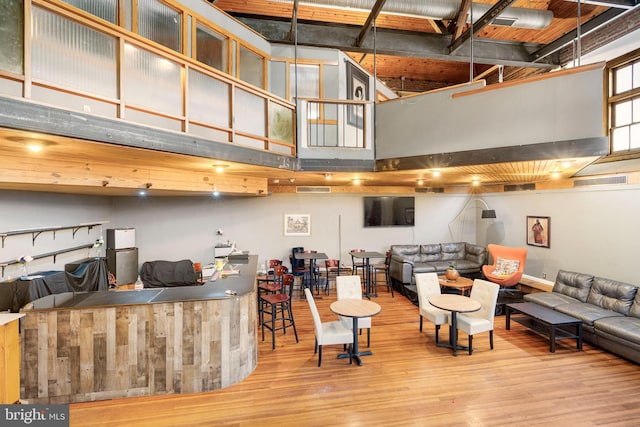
516, 17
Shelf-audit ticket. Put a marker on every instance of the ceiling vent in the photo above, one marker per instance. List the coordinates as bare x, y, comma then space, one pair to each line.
519, 187
313, 189
619, 179
518, 17
429, 190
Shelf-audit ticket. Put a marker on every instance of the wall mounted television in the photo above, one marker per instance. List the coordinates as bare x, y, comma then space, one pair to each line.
389, 211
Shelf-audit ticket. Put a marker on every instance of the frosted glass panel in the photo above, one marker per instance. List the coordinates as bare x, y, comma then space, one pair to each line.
11, 34
208, 100
250, 113
152, 81
280, 123
250, 67
307, 81
105, 9
160, 23
69, 54
211, 48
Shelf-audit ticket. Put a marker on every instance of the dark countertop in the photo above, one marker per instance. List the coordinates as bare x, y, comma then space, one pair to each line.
237, 285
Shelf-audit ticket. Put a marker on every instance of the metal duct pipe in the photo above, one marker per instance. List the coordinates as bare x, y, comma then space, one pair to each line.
518, 17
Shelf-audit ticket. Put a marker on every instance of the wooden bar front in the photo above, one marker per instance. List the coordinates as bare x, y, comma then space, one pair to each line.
83, 353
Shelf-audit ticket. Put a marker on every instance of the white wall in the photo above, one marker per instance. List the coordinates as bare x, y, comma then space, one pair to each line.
593, 230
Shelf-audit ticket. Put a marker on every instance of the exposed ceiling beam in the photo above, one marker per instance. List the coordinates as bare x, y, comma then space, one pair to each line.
622, 4
461, 20
593, 24
398, 43
377, 8
484, 20
294, 20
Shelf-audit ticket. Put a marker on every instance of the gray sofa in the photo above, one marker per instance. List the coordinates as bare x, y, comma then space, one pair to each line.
609, 310
406, 260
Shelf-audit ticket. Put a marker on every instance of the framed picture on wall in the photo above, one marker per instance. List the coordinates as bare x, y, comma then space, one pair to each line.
357, 90
297, 225
539, 231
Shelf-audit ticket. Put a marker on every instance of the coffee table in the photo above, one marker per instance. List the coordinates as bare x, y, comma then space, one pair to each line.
462, 284
546, 322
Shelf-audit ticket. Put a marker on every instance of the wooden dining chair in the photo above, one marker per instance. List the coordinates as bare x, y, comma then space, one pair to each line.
332, 270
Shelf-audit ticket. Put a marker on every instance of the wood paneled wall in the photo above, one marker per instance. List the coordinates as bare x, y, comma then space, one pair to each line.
86, 354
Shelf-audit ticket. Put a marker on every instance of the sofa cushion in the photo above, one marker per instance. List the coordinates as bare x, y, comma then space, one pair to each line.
452, 251
575, 285
625, 327
586, 312
430, 253
408, 252
549, 299
612, 295
423, 267
635, 307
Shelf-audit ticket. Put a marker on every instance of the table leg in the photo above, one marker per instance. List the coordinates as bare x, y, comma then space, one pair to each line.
579, 333
552, 344
508, 317
454, 333
367, 279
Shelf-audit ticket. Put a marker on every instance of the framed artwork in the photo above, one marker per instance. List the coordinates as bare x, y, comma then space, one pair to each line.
297, 225
357, 90
539, 231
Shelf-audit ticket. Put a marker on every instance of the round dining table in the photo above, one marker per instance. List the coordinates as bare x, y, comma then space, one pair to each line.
356, 309
454, 304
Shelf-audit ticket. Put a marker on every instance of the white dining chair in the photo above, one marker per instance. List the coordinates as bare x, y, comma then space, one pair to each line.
327, 333
350, 287
428, 285
486, 293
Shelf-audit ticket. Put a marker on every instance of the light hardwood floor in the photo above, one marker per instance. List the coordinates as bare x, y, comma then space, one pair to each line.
406, 382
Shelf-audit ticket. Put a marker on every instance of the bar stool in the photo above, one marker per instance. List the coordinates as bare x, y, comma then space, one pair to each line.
383, 268
275, 308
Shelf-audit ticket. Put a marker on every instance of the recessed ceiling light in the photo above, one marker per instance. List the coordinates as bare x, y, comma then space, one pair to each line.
327, 176
436, 173
276, 181
420, 182
35, 147
356, 181
220, 168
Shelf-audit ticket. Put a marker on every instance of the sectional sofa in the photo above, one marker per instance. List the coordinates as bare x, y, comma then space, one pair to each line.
609, 310
406, 260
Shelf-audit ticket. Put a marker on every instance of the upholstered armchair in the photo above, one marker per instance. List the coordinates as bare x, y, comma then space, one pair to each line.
508, 265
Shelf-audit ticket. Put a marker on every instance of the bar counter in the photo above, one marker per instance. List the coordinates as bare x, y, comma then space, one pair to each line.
111, 344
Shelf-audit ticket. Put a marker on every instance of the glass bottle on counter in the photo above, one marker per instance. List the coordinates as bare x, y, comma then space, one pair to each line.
138, 284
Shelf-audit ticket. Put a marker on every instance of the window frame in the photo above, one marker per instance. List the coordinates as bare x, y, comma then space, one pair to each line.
613, 99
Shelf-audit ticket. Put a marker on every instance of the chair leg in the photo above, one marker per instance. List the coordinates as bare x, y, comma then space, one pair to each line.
315, 348
369, 337
319, 356
292, 322
437, 330
273, 327
491, 339
421, 323
470, 344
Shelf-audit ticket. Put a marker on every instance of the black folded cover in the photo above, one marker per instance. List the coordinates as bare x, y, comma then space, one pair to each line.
162, 274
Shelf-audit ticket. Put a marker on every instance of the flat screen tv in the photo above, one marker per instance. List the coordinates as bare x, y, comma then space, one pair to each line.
389, 211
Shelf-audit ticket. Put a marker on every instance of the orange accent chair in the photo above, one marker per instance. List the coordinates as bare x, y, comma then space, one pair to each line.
508, 265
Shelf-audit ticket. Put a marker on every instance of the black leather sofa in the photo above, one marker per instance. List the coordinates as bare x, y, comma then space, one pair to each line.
609, 310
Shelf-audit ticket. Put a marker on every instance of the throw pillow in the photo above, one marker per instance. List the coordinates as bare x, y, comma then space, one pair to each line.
506, 267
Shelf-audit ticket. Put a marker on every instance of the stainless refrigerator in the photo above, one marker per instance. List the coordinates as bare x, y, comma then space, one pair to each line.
122, 255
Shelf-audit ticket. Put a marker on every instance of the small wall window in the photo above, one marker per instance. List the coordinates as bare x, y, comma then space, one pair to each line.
211, 48
624, 105
160, 23
105, 9
251, 67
